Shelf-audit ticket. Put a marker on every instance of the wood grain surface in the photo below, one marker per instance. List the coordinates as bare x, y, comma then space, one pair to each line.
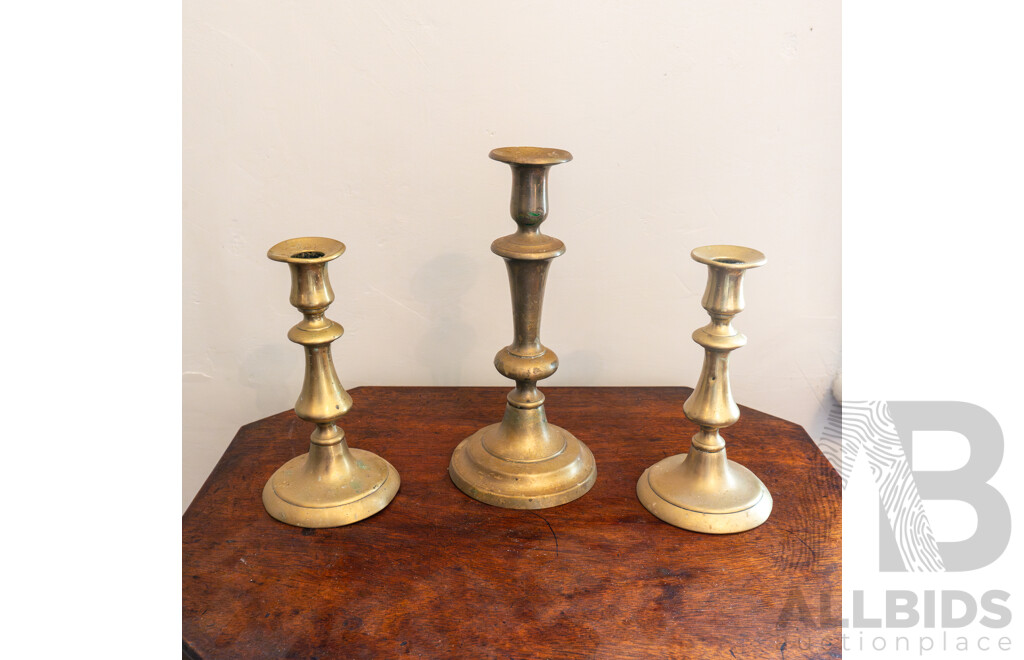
439, 575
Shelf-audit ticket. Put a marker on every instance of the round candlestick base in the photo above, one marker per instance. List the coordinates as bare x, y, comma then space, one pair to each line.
523, 484
708, 493
301, 495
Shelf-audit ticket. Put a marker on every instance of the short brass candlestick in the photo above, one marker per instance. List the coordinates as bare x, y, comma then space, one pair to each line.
703, 491
332, 485
524, 462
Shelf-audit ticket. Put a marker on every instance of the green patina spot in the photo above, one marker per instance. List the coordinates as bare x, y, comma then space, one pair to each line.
356, 485
535, 215
361, 465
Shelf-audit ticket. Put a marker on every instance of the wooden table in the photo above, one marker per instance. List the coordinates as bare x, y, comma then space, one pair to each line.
439, 575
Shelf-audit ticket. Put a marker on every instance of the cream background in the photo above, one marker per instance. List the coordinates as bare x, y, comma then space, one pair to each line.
691, 123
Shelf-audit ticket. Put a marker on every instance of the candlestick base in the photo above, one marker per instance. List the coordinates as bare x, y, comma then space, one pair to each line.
330, 487
523, 463
704, 492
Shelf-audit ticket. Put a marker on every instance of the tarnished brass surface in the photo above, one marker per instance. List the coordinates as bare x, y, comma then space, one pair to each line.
703, 491
332, 485
524, 462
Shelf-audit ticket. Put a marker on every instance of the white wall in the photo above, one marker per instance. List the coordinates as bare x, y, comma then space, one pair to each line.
370, 122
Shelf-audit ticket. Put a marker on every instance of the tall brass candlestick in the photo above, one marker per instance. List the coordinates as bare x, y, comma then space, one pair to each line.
332, 485
703, 491
524, 462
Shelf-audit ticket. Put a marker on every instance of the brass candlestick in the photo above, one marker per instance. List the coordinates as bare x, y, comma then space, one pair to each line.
703, 491
524, 462
332, 485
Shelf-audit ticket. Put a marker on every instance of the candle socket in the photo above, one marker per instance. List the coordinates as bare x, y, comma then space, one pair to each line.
332, 485
703, 491
525, 462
